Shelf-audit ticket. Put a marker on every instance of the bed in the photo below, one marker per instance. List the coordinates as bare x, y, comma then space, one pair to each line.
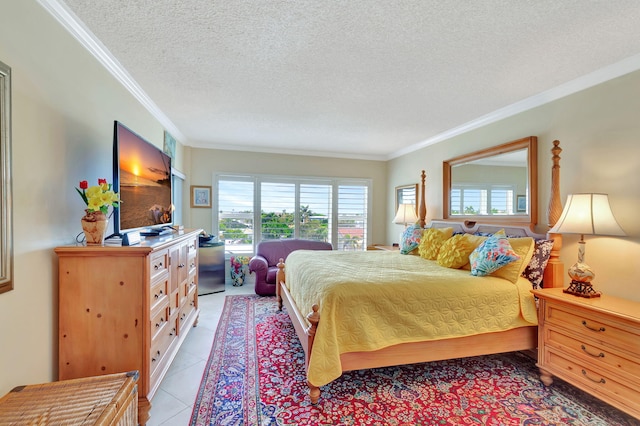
360, 310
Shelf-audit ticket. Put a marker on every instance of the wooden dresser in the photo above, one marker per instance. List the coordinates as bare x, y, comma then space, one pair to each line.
594, 344
127, 308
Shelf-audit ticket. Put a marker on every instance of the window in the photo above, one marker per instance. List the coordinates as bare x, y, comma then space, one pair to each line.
321, 209
482, 200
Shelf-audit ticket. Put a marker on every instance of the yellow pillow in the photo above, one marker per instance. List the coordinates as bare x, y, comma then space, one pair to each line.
454, 253
476, 240
432, 240
524, 248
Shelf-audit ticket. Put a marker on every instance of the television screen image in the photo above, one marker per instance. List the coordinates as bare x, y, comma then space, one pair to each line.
143, 182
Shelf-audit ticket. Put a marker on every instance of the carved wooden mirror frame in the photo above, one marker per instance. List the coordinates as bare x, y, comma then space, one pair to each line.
528, 217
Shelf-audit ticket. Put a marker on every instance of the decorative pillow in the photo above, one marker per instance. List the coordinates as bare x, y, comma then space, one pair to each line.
476, 240
411, 238
432, 240
494, 253
535, 269
454, 253
523, 247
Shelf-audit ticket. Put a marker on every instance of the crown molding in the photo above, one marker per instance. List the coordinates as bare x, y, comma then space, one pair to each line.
594, 78
90, 42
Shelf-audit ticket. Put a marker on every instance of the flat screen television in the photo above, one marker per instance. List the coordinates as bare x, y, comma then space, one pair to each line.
142, 178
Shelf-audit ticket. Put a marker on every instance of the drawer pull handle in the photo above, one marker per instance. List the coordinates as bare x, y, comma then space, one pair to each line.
158, 266
603, 381
600, 355
597, 330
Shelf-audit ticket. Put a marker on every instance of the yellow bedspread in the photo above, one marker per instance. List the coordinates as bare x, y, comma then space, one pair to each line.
370, 300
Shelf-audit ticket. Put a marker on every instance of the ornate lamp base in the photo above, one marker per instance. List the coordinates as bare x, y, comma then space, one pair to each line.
581, 289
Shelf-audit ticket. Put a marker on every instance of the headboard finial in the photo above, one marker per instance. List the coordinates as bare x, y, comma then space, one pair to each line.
422, 210
555, 203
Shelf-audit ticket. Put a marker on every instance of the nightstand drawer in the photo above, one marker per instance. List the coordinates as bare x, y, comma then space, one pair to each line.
599, 356
591, 379
593, 326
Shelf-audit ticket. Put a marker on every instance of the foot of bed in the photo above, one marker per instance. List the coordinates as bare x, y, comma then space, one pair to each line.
314, 393
279, 282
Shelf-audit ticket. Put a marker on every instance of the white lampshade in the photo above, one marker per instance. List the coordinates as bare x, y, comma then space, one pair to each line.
406, 214
587, 214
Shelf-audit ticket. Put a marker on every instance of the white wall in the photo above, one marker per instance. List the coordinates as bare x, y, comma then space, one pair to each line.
64, 105
599, 131
203, 163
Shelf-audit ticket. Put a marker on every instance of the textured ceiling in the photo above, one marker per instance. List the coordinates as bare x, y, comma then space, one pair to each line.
360, 78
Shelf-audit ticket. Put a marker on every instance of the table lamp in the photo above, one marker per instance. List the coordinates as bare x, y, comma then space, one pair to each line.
585, 214
406, 214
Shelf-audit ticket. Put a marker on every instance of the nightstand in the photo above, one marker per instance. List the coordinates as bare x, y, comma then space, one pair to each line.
385, 248
594, 344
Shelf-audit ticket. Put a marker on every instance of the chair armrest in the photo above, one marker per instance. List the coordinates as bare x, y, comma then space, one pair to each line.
259, 265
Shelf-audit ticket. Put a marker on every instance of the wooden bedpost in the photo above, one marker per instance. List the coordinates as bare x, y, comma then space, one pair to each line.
422, 211
554, 273
314, 318
280, 280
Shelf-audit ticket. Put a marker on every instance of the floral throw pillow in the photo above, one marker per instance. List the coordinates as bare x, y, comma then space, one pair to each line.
494, 253
411, 238
535, 269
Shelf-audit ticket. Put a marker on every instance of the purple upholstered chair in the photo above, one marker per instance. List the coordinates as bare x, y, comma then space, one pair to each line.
269, 252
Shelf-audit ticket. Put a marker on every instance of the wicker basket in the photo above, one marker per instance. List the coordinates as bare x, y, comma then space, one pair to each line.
102, 400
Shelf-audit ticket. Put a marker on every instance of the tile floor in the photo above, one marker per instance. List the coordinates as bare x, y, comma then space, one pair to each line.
173, 402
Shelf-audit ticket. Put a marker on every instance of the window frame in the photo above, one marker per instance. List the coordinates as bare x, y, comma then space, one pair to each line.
257, 179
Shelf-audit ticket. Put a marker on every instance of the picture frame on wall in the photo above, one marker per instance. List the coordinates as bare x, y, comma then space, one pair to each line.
407, 194
200, 196
169, 145
521, 203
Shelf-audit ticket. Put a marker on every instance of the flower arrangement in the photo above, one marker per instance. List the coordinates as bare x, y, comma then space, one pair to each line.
237, 272
98, 197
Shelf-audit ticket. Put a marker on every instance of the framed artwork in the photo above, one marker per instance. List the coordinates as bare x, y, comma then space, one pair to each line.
169, 145
200, 196
521, 203
407, 194
6, 227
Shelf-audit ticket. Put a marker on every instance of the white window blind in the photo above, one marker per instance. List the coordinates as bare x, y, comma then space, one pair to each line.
235, 212
278, 209
352, 217
315, 211
321, 209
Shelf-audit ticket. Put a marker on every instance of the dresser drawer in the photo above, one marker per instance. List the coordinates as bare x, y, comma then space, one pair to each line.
161, 345
158, 264
159, 321
159, 294
591, 379
594, 354
593, 326
188, 309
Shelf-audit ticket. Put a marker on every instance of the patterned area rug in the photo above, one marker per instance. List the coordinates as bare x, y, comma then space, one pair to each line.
255, 376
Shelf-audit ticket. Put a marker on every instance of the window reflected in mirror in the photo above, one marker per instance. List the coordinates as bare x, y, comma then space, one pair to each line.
490, 186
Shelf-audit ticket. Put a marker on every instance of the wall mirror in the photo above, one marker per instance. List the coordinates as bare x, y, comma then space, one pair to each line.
407, 194
6, 229
495, 184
